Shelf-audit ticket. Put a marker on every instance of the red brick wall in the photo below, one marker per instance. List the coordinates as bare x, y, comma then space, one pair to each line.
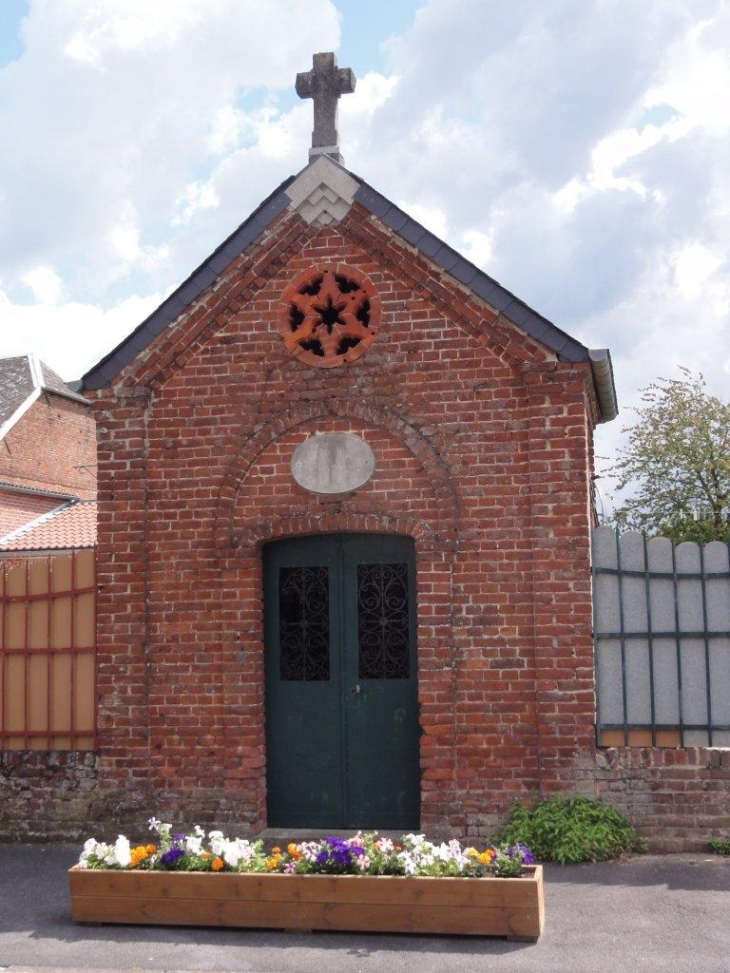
48, 445
17, 509
677, 799
482, 447
483, 450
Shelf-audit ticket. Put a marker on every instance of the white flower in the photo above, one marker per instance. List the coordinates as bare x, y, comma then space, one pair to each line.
98, 850
90, 846
154, 824
193, 844
217, 842
247, 849
231, 853
408, 863
122, 852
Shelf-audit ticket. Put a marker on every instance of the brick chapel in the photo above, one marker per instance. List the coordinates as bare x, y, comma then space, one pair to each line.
345, 501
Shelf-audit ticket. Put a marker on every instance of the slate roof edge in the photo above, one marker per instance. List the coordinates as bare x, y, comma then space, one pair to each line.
31, 400
477, 280
489, 290
9, 487
38, 385
36, 367
16, 416
71, 394
242, 237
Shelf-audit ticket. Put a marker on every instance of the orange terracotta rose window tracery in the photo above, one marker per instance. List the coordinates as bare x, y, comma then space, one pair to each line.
329, 316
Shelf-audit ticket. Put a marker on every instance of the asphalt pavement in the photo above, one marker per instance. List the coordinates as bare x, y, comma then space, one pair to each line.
645, 914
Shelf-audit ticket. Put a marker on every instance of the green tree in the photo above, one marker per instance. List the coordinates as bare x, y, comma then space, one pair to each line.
676, 465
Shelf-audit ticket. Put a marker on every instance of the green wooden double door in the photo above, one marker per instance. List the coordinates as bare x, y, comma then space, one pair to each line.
341, 683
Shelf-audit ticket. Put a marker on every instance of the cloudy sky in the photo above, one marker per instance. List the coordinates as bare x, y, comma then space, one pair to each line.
576, 150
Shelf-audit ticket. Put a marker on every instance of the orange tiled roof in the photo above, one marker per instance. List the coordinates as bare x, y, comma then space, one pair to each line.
72, 525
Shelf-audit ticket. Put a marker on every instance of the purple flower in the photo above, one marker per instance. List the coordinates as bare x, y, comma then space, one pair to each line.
172, 856
336, 855
520, 851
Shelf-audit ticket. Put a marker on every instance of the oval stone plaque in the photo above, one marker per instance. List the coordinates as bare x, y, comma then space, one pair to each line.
332, 462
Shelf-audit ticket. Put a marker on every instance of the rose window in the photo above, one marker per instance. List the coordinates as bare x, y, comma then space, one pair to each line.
329, 316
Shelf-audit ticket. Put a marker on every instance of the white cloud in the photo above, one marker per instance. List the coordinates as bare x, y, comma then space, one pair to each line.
697, 77
432, 218
196, 196
117, 106
477, 247
694, 266
227, 129
45, 284
70, 337
577, 151
130, 25
372, 91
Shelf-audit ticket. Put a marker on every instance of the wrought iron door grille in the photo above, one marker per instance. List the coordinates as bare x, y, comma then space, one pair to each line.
383, 622
304, 624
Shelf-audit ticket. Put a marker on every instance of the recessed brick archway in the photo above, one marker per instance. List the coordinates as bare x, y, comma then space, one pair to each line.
231, 530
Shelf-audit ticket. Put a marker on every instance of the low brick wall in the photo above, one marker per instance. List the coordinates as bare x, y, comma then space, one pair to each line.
45, 795
676, 799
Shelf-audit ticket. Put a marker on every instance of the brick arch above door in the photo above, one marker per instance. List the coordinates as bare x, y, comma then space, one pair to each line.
412, 481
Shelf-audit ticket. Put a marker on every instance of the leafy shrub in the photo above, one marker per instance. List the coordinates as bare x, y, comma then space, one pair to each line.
721, 846
569, 829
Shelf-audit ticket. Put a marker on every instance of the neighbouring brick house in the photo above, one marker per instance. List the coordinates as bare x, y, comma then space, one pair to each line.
345, 504
47, 591
47, 459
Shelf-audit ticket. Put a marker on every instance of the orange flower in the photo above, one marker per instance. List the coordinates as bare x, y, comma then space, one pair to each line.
138, 855
486, 857
293, 851
273, 861
217, 864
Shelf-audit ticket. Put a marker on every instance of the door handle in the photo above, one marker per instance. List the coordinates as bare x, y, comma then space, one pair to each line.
356, 690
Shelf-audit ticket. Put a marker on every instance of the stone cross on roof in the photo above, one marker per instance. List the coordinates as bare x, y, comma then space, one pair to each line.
324, 84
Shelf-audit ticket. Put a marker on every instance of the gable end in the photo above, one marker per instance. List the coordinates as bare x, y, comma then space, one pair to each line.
321, 194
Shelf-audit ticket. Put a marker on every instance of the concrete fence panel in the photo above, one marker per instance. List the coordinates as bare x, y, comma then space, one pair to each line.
662, 641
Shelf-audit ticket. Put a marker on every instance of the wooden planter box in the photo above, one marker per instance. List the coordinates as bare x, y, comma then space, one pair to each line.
511, 907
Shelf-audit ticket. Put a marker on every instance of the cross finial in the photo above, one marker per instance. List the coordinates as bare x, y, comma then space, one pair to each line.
324, 84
